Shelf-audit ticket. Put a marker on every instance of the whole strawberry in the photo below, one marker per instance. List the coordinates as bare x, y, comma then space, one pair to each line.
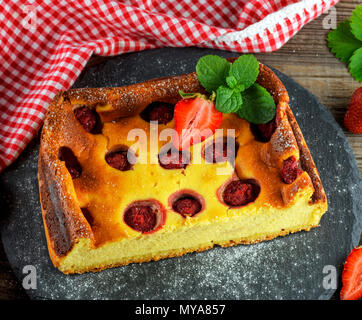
353, 116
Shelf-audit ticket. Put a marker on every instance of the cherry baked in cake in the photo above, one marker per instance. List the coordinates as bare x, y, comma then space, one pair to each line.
113, 194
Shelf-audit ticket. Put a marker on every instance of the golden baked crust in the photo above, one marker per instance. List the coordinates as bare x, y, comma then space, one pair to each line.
62, 198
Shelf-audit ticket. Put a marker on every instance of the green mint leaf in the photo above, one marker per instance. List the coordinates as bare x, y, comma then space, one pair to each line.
231, 82
342, 42
228, 100
258, 105
240, 87
241, 111
356, 22
245, 70
212, 71
355, 65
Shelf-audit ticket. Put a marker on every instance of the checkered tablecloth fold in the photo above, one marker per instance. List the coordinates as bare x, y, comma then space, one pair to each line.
46, 44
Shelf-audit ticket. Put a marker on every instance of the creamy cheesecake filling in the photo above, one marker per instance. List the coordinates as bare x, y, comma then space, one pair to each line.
248, 226
205, 173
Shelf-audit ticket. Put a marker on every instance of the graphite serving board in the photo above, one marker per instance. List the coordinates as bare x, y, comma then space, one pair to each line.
291, 267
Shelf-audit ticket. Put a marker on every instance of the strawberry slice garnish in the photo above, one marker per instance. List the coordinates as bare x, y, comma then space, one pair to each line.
352, 276
196, 118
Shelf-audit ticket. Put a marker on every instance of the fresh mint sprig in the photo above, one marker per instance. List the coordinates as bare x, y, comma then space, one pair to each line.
346, 43
235, 87
212, 71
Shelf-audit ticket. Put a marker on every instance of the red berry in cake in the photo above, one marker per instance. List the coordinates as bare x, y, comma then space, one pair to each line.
240, 192
221, 150
145, 216
263, 132
353, 116
174, 159
141, 218
158, 111
122, 160
162, 113
89, 119
71, 162
74, 172
187, 206
290, 170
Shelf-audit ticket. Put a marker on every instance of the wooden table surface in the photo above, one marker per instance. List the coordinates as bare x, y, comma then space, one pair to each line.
307, 60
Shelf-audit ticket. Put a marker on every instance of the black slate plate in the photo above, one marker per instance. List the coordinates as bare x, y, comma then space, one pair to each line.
291, 267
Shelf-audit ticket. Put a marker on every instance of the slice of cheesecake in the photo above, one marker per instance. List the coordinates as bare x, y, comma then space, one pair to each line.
112, 194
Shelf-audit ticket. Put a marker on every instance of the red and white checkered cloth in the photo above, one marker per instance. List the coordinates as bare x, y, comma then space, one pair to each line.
45, 44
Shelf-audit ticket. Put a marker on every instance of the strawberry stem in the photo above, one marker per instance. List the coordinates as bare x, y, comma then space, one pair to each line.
213, 96
186, 95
